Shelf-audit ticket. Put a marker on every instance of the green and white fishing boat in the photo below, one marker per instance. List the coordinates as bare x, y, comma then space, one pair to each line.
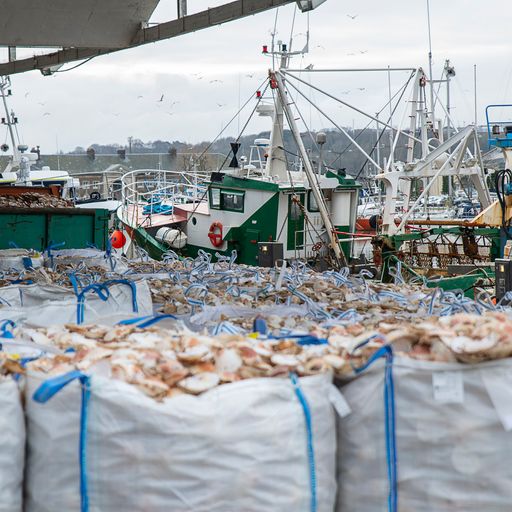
264, 206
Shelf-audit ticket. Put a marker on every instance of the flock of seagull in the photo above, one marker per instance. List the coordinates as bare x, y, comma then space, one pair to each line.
199, 76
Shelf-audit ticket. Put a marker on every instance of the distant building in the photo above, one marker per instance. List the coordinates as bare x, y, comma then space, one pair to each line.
84, 163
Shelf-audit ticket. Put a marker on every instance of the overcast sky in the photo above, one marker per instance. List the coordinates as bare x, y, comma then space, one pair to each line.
204, 76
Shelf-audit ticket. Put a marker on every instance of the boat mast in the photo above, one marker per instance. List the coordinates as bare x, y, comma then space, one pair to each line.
431, 80
5, 83
276, 162
278, 80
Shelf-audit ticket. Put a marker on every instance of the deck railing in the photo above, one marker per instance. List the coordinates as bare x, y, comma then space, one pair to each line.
153, 188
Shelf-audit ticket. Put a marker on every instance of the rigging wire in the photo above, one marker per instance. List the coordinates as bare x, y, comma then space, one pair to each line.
350, 144
338, 127
233, 118
287, 164
238, 138
300, 205
383, 129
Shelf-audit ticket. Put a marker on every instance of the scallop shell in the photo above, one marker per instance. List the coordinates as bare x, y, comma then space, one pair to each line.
194, 354
199, 383
228, 361
285, 360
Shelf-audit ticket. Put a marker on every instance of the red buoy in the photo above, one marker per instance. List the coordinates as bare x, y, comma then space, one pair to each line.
118, 239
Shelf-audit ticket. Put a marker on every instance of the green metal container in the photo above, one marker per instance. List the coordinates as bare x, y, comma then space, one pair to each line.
37, 228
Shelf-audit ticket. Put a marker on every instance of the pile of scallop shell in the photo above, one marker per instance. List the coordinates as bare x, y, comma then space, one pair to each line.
167, 363
34, 200
164, 363
180, 289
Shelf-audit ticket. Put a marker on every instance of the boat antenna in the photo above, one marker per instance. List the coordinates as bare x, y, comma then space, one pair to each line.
430, 63
476, 105
306, 48
292, 29
274, 32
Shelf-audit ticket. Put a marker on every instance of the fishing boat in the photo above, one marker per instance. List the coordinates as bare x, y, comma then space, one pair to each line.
19, 171
263, 207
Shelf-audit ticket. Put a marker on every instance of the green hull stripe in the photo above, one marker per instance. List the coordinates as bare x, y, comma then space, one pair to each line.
152, 246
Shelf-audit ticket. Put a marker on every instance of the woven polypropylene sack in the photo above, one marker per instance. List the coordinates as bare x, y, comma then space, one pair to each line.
19, 259
12, 446
239, 447
454, 442
91, 258
62, 309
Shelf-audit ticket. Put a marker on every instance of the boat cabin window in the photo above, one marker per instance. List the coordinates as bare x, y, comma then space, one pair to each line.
312, 204
215, 198
227, 200
233, 201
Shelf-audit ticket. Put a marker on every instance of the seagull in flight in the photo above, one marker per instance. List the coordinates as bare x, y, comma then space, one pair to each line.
161, 99
345, 92
47, 114
361, 88
249, 76
221, 105
42, 104
214, 81
362, 52
352, 17
320, 46
116, 115
139, 97
170, 113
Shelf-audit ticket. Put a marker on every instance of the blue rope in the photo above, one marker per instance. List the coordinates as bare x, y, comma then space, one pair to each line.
309, 432
102, 292
302, 339
86, 396
50, 388
390, 421
52, 246
146, 321
5, 332
133, 288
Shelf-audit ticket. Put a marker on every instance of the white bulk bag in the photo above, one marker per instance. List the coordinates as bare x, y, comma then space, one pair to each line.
45, 305
11, 296
91, 257
37, 294
240, 447
119, 302
216, 313
453, 438
19, 259
12, 446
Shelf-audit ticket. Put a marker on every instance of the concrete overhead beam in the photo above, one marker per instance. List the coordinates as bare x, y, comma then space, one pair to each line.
185, 25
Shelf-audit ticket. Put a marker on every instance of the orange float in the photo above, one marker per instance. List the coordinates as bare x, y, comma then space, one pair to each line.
118, 239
